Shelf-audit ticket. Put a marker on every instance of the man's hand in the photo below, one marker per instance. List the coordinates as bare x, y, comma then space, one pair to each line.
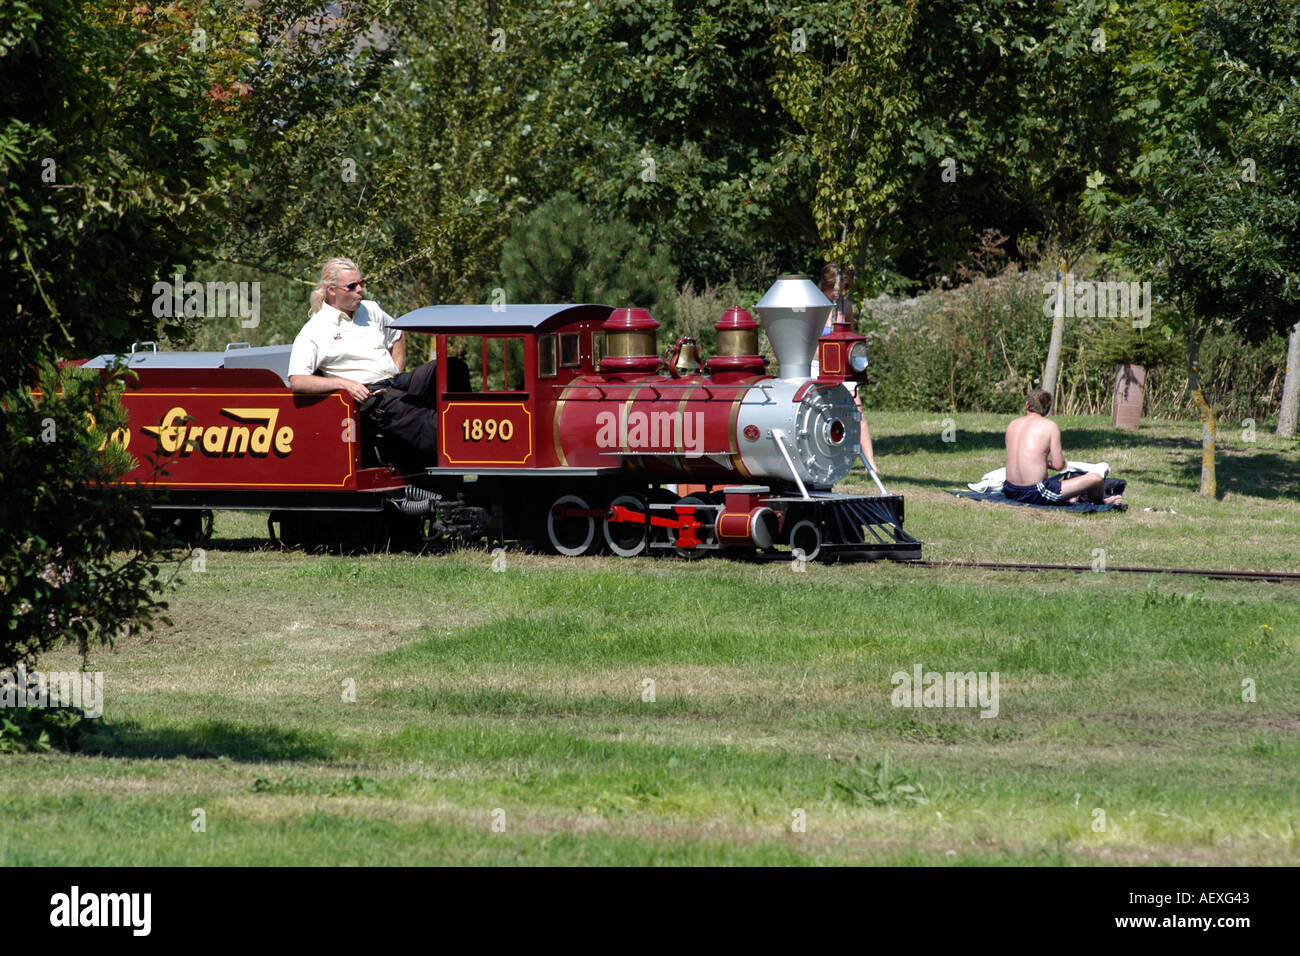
358, 391
321, 384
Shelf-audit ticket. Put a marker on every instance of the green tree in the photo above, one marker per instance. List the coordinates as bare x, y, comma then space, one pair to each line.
77, 560
682, 127
405, 136
1062, 130
1209, 223
853, 100
1264, 76
560, 253
314, 140
118, 144
1019, 97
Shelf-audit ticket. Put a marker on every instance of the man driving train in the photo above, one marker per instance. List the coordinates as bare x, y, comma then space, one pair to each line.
349, 344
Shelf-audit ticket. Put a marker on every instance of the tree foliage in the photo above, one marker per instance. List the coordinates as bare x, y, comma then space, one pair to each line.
1206, 210
683, 128
560, 253
119, 143
77, 560
854, 101
405, 137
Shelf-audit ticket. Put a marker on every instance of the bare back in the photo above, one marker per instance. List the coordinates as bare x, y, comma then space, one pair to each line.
1033, 443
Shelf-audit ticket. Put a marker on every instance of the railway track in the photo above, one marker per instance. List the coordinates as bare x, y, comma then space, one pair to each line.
1271, 577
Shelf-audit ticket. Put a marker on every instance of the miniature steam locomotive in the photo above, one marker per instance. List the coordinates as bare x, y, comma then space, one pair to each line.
557, 424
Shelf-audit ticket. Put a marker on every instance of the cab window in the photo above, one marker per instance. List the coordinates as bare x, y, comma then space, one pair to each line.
546, 356
570, 350
485, 363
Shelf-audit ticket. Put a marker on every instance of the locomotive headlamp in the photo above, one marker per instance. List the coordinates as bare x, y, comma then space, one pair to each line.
858, 357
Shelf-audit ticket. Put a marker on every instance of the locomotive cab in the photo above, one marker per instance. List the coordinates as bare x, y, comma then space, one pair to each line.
499, 371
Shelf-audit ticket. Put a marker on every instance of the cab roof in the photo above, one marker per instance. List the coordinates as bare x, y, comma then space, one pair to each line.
498, 318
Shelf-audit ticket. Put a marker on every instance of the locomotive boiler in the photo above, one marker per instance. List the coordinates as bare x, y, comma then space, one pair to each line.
563, 425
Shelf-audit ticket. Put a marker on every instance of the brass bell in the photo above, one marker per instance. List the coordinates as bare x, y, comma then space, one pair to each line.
688, 358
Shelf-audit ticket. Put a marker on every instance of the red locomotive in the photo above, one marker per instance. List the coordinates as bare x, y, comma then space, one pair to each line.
559, 424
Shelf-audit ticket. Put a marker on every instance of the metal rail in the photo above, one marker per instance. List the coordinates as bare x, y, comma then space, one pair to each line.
1272, 577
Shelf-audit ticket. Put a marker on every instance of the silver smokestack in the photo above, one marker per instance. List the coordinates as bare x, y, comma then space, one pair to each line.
793, 313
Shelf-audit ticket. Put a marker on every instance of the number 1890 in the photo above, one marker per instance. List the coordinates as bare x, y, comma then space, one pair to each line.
478, 429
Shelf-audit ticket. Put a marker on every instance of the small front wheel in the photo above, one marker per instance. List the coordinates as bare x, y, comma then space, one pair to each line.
805, 540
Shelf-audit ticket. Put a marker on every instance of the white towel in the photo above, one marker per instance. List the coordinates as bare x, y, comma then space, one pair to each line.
994, 480
1101, 468
990, 482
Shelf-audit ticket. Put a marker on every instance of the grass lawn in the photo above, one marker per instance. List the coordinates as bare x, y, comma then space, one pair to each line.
504, 716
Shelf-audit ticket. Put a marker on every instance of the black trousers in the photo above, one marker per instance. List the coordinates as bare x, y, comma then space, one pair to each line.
420, 381
404, 409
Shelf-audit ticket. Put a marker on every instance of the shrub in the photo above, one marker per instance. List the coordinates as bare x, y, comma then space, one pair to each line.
1242, 380
39, 729
697, 311
981, 347
75, 551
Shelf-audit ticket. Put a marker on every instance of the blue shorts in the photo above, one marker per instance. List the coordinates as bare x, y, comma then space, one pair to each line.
1046, 492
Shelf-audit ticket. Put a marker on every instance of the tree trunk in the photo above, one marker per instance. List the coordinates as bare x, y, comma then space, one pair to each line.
1053, 367
1209, 419
1287, 413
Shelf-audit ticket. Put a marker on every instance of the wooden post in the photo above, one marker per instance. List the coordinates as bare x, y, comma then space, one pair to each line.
1130, 385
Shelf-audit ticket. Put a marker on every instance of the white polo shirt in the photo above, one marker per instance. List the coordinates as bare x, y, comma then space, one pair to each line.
356, 348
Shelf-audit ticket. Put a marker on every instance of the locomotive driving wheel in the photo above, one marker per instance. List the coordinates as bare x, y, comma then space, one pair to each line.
706, 518
571, 526
628, 539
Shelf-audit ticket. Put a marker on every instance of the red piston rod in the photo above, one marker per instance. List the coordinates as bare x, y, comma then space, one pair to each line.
684, 523
685, 517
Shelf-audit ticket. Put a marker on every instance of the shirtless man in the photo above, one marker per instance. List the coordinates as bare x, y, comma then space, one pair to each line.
1033, 444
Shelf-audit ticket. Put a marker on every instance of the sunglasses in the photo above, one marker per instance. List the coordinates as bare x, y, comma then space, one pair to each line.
353, 286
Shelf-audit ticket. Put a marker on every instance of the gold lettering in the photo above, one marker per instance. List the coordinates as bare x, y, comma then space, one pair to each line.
262, 436
171, 433
214, 439
174, 435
